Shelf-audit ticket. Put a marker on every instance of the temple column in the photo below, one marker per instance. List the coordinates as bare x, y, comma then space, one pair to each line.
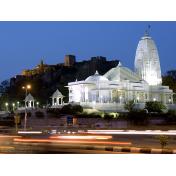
57, 101
164, 98
33, 104
172, 101
52, 101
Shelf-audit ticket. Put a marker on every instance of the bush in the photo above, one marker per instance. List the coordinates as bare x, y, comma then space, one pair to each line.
66, 109
129, 106
77, 109
108, 116
170, 116
71, 109
155, 106
39, 114
22, 115
54, 111
138, 117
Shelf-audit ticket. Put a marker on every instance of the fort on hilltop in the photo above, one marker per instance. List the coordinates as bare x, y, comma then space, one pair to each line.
96, 63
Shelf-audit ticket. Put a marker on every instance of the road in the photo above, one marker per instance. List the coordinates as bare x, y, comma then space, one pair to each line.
147, 138
83, 143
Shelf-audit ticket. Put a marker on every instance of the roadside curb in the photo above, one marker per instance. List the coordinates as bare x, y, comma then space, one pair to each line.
112, 149
131, 149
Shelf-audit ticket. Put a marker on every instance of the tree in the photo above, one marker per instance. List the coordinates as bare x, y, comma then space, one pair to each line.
169, 79
163, 139
154, 106
129, 105
77, 109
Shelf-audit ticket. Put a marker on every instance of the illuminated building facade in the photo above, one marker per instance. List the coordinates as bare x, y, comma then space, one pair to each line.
120, 84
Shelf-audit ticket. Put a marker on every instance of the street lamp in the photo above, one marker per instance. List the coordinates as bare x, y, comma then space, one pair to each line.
37, 104
6, 105
13, 105
26, 88
18, 104
170, 100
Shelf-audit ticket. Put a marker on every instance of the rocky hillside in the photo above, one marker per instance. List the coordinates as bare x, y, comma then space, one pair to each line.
57, 77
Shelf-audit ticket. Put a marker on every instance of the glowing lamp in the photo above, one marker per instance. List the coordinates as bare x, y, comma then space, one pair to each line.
28, 86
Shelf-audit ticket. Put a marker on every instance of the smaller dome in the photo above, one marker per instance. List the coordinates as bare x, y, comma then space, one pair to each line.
57, 94
96, 77
29, 97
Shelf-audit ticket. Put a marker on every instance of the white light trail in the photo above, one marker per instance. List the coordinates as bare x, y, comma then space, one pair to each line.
132, 132
81, 137
29, 132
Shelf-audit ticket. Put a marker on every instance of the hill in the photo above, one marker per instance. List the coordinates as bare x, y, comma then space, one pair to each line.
45, 79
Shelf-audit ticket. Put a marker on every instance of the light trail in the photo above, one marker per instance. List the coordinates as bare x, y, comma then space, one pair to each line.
132, 132
29, 132
71, 141
89, 137
9, 136
6, 147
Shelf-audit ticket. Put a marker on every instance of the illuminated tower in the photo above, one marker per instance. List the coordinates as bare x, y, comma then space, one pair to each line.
147, 63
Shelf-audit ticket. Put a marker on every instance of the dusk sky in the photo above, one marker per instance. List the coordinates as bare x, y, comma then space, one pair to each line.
23, 44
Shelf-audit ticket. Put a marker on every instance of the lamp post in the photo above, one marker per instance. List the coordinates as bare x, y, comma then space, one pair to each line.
13, 105
18, 104
26, 88
37, 104
170, 101
6, 105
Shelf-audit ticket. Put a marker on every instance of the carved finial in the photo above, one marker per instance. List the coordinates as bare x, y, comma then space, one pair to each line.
119, 64
147, 30
96, 73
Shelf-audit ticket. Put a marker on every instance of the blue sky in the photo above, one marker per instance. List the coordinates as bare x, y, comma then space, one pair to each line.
23, 44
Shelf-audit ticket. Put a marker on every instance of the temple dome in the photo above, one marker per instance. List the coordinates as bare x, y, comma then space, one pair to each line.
96, 77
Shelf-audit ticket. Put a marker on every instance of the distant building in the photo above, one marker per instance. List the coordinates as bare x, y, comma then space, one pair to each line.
69, 60
98, 59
